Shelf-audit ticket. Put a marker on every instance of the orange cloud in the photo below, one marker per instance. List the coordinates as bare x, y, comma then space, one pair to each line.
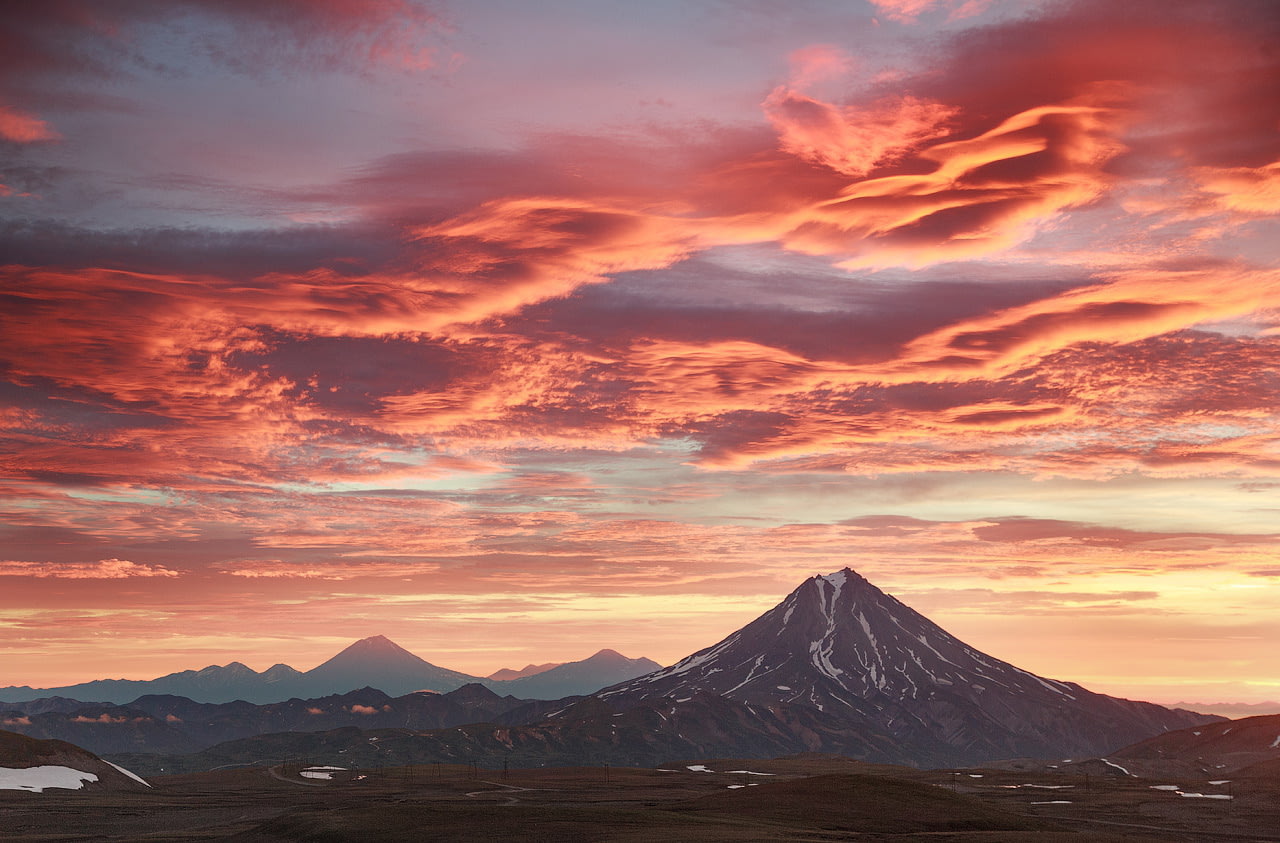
1247, 190
106, 569
1131, 306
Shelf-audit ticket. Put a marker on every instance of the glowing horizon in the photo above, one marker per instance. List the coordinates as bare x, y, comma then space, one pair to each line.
498, 330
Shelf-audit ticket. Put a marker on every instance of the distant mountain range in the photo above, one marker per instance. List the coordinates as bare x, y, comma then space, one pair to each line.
837, 667
371, 662
1232, 710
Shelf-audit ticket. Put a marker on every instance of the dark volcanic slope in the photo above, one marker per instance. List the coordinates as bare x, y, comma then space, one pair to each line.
842, 647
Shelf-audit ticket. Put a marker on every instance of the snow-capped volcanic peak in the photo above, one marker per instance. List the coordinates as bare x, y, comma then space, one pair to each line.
838, 640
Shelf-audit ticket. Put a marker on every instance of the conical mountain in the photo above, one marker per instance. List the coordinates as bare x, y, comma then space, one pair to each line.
842, 647
380, 663
577, 678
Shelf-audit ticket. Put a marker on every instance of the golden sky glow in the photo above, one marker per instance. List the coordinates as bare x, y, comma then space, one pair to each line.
514, 331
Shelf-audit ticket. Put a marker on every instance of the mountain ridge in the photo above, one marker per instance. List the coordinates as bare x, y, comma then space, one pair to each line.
375, 661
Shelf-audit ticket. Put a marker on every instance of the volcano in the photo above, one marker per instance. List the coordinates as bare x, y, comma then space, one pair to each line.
845, 657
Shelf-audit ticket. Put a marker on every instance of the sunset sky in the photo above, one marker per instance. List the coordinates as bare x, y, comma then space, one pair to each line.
516, 330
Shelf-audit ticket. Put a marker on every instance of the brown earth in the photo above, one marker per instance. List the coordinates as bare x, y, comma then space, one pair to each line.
808, 798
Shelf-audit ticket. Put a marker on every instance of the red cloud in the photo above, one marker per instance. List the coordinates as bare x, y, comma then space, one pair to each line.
24, 128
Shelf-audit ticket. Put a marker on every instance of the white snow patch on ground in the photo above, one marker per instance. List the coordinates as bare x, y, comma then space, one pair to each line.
36, 779
1204, 795
1165, 787
1221, 781
975, 775
1197, 734
1039, 786
699, 768
1117, 766
325, 773
1275, 743
1053, 802
784, 687
751, 773
134, 776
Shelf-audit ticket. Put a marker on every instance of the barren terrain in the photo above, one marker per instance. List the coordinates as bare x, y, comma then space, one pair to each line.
800, 799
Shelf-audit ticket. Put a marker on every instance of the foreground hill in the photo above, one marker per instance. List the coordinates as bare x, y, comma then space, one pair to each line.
37, 766
1217, 747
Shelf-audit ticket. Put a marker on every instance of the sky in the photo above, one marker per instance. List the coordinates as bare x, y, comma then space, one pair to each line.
512, 331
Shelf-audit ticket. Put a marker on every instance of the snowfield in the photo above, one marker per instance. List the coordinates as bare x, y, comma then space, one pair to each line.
37, 779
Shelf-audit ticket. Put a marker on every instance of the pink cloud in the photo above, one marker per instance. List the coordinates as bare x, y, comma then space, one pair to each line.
853, 141
907, 11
